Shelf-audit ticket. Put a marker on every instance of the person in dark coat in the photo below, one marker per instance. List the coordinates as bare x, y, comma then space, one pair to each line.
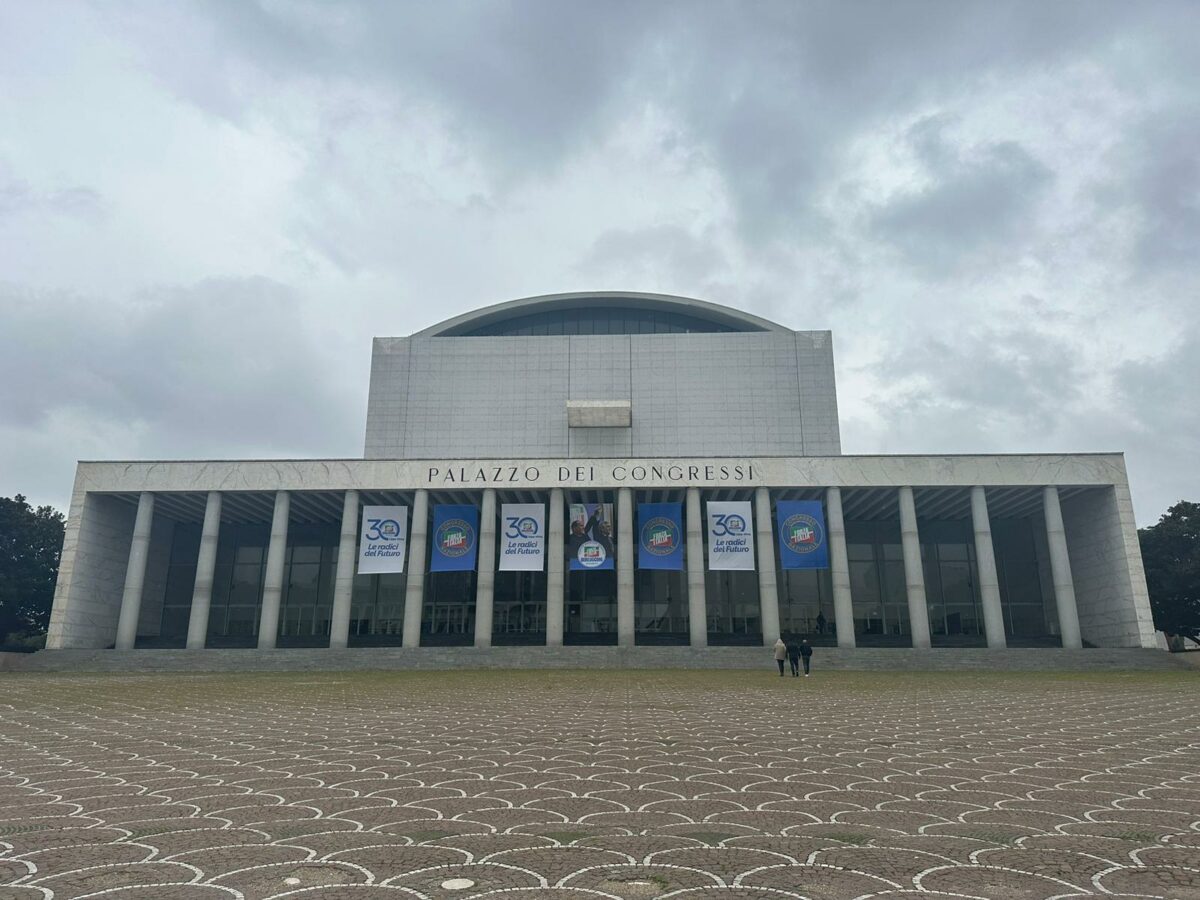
581, 533
793, 652
806, 655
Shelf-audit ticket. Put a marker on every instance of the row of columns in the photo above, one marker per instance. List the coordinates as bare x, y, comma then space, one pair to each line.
914, 574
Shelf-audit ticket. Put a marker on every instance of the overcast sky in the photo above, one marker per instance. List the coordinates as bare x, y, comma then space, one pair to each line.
208, 209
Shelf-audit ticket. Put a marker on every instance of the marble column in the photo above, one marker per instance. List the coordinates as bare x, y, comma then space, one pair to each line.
135, 573
768, 582
210, 533
343, 578
485, 582
554, 570
268, 623
625, 636
985, 561
839, 569
697, 603
1060, 568
414, 588
914, 572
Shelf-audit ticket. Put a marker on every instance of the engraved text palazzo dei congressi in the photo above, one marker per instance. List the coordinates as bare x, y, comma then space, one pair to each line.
616, 472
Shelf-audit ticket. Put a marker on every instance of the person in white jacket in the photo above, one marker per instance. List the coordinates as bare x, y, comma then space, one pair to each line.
780, 655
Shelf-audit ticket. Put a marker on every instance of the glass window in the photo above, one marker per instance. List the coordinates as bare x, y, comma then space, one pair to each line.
249, 554
603, 318
733, 608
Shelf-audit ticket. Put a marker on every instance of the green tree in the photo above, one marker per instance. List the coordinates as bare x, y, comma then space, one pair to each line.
1171, 555
30, 546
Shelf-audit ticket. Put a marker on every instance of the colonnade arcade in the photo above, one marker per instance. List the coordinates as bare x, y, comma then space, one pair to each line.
919, 567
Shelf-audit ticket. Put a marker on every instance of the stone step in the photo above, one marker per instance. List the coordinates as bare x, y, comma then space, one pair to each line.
384, 658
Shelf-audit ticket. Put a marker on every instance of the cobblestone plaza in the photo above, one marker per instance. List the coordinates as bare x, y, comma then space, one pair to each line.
618, 784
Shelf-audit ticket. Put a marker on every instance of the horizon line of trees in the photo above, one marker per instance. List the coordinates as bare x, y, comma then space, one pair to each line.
31, 546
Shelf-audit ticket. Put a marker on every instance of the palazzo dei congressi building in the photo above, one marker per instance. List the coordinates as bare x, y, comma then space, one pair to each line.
626, 469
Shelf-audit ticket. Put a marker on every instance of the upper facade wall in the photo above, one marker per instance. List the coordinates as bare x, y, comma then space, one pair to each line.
765, 393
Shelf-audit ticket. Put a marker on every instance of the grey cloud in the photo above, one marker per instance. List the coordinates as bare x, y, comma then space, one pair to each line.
525, 79
1000, 389
773, 89
224, 367
1021, 390
652, 253
980, 199
1166, 190
17, 196
772, 93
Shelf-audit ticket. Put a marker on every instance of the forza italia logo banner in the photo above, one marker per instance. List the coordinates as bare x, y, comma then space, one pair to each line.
660, 536
383, 539
522, 537
730, 536
455, 539
801, 529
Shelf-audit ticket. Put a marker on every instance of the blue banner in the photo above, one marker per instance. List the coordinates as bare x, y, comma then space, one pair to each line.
802, 543
660, 536
455, 539
590, 537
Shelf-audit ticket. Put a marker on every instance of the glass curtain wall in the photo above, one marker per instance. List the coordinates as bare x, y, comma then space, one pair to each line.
951, 583
237, 585
590, 616
660, 597
806, 605
519, 608
734, 610
448, 607
660, 607
600, 320
877, 584
449, 615
1030, 617
181, 583
377, 610
306, 604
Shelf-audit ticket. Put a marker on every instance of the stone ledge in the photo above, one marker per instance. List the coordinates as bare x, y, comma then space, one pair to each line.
366, 658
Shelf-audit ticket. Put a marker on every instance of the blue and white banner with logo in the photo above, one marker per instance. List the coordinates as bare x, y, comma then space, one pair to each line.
730, 535
590, 540
455, 538
802, 543
660, 536
522, 537
383, 539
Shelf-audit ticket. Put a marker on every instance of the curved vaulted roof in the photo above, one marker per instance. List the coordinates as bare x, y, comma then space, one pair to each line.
693, 315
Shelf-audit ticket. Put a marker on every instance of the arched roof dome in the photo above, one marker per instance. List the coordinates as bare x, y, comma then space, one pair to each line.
599, 312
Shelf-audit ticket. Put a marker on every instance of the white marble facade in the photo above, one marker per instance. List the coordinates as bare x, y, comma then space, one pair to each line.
515, 401
1101, 537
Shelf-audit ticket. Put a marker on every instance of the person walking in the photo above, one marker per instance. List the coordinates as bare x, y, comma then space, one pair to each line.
780, 654
793, 650
805, 654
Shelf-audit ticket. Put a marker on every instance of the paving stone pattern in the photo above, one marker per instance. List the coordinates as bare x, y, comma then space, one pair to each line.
599, 784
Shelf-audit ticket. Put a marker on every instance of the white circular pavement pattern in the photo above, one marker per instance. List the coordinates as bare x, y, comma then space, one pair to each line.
599, 784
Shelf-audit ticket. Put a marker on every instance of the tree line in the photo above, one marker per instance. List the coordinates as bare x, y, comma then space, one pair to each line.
31, 543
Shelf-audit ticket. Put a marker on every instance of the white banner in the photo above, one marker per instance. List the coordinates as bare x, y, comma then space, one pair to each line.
730, 535
522, 537
383, 539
